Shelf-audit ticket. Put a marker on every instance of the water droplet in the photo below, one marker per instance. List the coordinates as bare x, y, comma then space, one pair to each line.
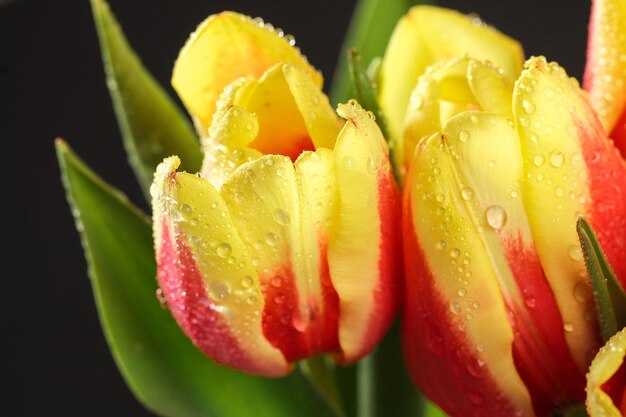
441, 244
538, 160
496, 217
279, 299
219, 290
467, 194
464, 136
568, 327
455, 253
549, 93
224, 250
575, 253
281, 217
462, 292
160, 295
492, 164
272, 238
251, 300
186, 209
582, 292
455, 307
247, 281
556, 159
529, 107
348, 162
530, 301
277, 281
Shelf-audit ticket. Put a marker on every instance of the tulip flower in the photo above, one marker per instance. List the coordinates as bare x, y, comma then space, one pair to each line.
499, 317
284, 245
606, 381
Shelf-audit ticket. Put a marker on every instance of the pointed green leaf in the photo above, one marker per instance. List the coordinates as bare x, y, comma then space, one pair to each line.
363, 87
371, 26
161, 366
608, 293
152, 126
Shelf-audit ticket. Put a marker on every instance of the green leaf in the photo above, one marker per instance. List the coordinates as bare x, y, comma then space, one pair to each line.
608, 293
161, 366
363, 88
384, 387
371, 26
152, 126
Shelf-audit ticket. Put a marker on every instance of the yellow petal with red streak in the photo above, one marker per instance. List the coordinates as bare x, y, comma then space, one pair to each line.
427, 35
549, 108
606, 363
224, 47
461, 311
364, 250
198, 222
605, 73
283, 214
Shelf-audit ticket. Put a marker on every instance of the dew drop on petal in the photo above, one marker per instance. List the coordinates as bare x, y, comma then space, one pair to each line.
496, 217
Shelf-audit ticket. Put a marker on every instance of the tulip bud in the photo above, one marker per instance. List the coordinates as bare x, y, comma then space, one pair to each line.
499, 316
285, 245
425, 36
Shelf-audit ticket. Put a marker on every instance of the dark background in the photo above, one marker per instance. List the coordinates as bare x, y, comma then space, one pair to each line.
55, 359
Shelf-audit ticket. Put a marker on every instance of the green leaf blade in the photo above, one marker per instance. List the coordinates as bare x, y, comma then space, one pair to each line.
161, 366
152, 126
609, 295
370, 28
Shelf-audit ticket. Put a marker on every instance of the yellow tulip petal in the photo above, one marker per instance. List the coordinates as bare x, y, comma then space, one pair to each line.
605, 73
363, 251
293, 113
224, 47
457, 271
554, 126
430, 34
211, 286
606, 363
285, 234
493, 90
232, 130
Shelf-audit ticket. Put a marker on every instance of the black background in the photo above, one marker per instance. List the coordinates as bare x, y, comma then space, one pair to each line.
54, 356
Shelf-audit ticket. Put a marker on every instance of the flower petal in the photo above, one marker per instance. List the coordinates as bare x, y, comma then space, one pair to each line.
604, 367
605, 73
268, 200
294, 115
571, 169
224, 47
208, 280
427, 35
364, 251
457, 337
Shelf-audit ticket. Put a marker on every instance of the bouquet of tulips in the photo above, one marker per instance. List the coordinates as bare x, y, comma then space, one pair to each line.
475, 197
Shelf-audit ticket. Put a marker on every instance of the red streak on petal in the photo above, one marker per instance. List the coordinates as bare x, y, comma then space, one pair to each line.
540, 351
387, 291
197, 315
282, 324
615, 387
606, 210
619, 133
438, 354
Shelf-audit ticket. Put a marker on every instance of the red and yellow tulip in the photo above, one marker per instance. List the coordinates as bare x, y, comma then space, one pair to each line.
501, 157
285, 245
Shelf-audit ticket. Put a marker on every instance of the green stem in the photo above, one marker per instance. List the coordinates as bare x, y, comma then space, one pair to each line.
366, 387
321, 372
574, 411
